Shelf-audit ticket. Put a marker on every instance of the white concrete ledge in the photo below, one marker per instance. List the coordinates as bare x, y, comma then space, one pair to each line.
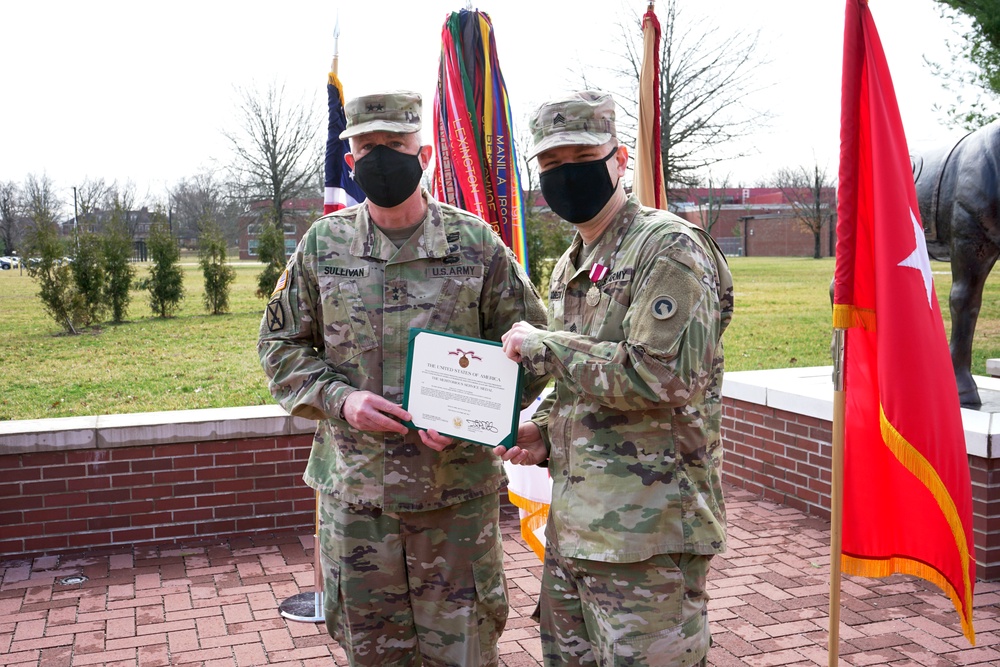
149, 428
809, 391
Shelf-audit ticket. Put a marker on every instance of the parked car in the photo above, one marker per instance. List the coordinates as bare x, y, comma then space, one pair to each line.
9, 262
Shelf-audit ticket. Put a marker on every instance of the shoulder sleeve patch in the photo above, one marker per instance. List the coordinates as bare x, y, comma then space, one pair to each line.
665, 306
282, 282
275, 315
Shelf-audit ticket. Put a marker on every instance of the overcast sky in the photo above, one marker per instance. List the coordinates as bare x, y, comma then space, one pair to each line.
142, 91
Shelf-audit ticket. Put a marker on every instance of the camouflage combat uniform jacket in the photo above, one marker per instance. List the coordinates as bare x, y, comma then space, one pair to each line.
633, 423
339, 321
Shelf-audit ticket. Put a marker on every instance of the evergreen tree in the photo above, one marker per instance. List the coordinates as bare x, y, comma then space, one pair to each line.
166, 279
48, 264
218, 274
271, 252
120, 273
89, 276
56, 287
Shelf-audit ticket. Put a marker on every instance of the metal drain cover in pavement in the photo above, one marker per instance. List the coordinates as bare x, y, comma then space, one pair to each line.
73, 579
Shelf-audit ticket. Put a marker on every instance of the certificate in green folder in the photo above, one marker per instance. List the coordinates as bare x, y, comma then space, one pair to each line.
462, 387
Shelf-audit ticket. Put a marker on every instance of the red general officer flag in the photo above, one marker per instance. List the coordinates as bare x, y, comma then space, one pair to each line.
907, 504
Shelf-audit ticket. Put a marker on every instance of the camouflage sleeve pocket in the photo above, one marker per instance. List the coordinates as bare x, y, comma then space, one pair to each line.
665, 306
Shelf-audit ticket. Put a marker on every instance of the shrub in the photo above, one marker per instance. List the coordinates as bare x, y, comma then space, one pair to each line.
166, 280
218, 274
270, 251
56, 289
89, 276
120, 273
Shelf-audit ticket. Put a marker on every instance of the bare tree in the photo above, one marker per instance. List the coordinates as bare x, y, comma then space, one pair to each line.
202, 202
710, 210
56, 288
123, 201
42, 206
812, 196
98, 201
706, 80
10, 216
92, 195
276, 148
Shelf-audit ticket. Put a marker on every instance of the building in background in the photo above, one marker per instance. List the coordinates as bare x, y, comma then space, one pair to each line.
138, 222
299, 214
756, 222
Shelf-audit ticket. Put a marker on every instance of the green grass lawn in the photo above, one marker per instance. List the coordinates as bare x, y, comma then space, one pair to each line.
193, 360
196, 360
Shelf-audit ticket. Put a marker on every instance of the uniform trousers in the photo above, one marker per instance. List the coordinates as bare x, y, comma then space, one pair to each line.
648, 614
414, 588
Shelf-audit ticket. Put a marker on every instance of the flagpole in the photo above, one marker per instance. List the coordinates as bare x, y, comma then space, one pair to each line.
336, 46
309, 607
836, 494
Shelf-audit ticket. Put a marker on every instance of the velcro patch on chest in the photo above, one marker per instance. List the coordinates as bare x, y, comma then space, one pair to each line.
344, 271
454, 271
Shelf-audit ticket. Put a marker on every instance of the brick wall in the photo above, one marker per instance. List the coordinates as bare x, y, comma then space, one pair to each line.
780, 456
67, 485
127, 485
986, 516
785, 457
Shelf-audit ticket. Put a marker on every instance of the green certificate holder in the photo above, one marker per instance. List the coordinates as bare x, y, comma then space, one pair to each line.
462, 387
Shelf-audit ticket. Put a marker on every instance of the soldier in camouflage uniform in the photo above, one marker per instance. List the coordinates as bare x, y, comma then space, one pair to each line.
637, 306
410, 539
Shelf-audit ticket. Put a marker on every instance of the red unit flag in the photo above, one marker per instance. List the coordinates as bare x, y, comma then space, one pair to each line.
907, 502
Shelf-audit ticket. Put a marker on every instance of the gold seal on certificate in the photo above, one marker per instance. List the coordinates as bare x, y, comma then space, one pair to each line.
462, 387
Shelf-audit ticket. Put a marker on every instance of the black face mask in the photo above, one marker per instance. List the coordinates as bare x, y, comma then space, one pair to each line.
577, 191
387, 177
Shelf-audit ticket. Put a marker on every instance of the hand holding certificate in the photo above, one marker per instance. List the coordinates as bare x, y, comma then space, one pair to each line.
462, 387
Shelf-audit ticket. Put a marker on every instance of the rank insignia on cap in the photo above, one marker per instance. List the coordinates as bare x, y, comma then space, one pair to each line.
275, 315
282, 282
559, 119
664, 307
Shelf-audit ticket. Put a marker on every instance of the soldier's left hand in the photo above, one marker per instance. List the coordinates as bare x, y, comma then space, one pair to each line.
435, 440
513, 339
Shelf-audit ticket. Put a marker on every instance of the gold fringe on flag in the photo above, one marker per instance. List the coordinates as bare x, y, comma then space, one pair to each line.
537, 514
846, 316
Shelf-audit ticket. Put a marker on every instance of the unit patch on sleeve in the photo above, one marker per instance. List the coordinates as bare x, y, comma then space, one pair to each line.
664, 307
275, 315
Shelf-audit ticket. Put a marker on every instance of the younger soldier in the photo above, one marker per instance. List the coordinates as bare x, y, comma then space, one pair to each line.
637, 306
410, 535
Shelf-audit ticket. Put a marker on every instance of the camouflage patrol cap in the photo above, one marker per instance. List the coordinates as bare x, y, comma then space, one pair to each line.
397, 111
586, 117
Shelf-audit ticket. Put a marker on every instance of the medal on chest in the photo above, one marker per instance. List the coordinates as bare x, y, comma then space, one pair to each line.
597, 273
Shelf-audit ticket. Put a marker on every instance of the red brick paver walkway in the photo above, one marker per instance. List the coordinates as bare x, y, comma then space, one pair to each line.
217, 605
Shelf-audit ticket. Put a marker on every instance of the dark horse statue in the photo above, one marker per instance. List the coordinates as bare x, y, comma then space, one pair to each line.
958, 190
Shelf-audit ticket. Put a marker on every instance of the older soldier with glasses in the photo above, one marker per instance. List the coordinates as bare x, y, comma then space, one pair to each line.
410, 533
637, 307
